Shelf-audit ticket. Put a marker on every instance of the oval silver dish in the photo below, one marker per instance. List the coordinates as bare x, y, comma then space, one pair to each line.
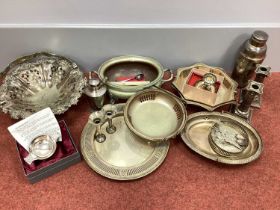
197, 130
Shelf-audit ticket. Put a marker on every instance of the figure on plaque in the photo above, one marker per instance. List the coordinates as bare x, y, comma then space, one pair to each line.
228, 138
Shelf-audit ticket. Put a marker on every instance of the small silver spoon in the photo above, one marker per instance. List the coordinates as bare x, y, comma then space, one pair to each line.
138, 77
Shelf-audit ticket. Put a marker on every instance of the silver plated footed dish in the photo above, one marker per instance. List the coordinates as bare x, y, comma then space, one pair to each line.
34, 82
121, 155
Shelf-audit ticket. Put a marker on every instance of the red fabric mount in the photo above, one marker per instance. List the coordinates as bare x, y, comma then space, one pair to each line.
64, 149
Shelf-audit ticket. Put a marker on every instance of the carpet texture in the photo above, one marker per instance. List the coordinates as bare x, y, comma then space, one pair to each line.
184, 180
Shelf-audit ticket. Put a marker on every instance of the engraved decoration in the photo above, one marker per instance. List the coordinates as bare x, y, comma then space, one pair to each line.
40, 80
229, 138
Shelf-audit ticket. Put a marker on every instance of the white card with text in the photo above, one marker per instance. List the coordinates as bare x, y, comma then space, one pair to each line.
40, 123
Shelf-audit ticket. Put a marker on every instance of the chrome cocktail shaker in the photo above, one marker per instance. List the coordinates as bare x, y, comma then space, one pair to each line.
252, 54
95, 91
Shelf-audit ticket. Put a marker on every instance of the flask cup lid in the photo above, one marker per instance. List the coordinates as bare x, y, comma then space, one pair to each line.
260, 36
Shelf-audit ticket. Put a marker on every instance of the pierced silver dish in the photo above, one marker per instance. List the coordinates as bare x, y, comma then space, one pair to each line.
155, 115
34, 82
123, 155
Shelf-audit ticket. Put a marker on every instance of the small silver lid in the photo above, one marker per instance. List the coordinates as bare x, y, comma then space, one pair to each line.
95, 88
260, 36
209, 78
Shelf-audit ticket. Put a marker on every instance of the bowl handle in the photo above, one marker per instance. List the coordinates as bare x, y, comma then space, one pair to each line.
170, 78
94, 72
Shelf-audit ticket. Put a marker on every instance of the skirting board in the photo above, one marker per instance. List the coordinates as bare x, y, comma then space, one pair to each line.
172, 47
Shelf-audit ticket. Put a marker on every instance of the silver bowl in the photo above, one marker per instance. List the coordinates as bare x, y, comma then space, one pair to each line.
40, 80
129, 66
155, 115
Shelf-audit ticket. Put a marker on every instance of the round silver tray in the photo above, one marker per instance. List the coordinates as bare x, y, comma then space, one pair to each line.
37, 81
123, 156
199, 125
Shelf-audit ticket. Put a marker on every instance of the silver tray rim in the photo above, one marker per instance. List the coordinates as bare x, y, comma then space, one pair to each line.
90, 156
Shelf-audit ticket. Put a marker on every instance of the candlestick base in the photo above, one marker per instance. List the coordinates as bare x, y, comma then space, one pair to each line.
245, 115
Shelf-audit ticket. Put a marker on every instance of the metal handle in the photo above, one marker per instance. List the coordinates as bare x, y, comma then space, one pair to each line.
103, 81
30, 158
170, 78
92, 72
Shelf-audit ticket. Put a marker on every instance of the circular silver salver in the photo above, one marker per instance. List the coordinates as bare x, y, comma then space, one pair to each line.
41, 148
123, 155
228, 139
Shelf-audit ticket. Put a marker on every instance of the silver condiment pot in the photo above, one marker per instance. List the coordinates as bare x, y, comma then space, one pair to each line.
95, 91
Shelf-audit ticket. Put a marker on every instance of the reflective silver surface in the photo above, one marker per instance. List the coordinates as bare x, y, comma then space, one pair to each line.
252, 53
209, 100
123, 156
42, 147
252, 89
196, 137
40, 80
207, 83
130, 66
155, 115
228, 138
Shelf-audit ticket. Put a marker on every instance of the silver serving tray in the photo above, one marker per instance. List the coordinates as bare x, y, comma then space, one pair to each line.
40, 80
123, 156
199, 125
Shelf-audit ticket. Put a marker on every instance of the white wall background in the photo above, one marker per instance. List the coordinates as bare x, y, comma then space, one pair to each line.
139, 12
177, 32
